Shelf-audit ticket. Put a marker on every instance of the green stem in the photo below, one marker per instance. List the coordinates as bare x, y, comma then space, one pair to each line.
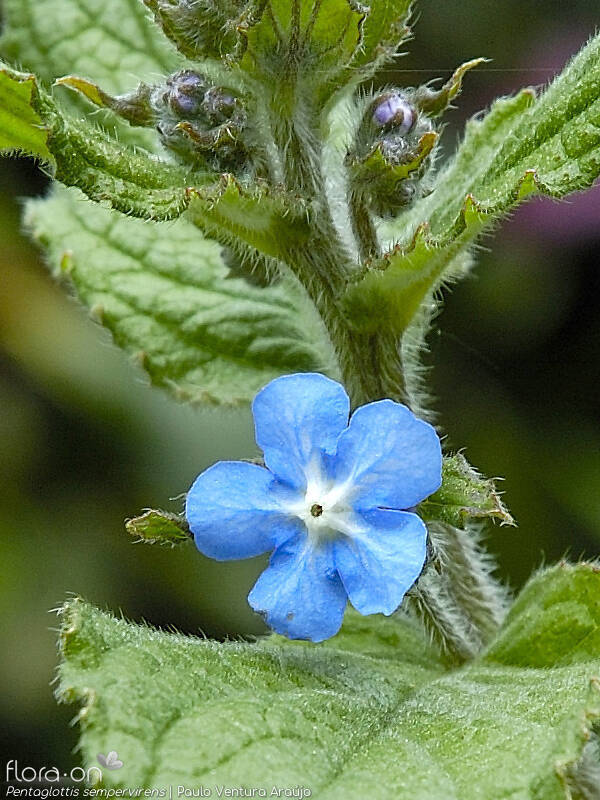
430, 600
370, 364
363, 228
469, 569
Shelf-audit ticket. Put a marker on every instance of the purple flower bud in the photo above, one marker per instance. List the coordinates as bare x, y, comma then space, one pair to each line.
393, 110
218, 105
189, 82
184, 104
186, 91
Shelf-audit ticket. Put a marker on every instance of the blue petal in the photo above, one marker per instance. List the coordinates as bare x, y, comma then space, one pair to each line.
393, 458
300, 593
234, 511
297, 418
379, 564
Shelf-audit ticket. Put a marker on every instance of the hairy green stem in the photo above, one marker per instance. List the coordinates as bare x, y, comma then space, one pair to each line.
363, 228
370, 363
469, 569
431, 601
459, 602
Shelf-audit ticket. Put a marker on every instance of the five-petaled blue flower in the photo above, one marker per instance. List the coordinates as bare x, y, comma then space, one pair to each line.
330, 503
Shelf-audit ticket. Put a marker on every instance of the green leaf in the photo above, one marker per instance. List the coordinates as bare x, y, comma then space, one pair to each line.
372, 713
113, 42
550, 624
83, 155
463, 495
21, 128
302, 40
383, 30
159, 527
523, 146
398, 284
550, 144
163, 292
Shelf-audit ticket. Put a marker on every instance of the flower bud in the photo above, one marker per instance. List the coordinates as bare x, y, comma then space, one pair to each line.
392, 110
185, 93
391, 153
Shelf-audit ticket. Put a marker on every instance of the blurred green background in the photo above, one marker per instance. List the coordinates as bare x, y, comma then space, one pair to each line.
85, 443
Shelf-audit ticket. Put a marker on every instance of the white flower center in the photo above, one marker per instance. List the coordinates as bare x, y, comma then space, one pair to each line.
325, 508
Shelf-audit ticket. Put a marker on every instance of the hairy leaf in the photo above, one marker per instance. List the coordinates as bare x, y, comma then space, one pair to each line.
383, 30
83, 155
21, 128
373, 713
113, 42
522, 146
307, 41
163, 292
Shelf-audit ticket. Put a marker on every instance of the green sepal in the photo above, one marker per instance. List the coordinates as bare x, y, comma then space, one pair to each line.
302, 41
22, 129
159, 527
383, 32
134, 107
463, 495
434, 102
379, 182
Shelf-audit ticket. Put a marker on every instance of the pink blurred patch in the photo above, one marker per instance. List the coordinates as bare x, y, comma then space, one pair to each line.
578, 216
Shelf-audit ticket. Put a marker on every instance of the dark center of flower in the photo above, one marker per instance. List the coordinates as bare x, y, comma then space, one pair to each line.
316, 510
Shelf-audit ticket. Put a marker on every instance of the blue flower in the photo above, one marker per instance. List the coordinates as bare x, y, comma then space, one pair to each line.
330, 503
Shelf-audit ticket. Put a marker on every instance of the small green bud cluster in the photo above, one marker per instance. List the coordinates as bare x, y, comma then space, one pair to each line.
204, 124
270, 126
199, 121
